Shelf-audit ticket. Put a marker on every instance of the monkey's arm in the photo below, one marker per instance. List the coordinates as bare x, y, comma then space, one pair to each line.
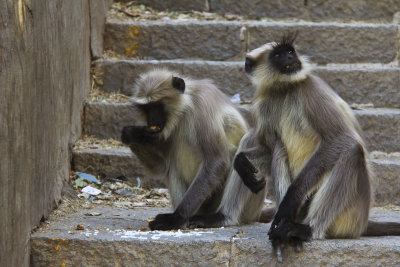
247, 170
208, 178
259, 155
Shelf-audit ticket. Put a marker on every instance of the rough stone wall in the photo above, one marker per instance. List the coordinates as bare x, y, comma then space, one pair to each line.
44, 76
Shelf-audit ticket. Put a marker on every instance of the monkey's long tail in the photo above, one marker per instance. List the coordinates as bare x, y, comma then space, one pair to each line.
382, 228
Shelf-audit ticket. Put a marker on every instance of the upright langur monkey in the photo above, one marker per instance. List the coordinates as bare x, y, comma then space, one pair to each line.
309, 146
190, 136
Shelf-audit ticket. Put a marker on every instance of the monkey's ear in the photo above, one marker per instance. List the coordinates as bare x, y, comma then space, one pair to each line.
178, 84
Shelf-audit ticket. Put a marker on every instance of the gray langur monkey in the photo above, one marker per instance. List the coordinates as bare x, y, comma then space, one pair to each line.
309, 147
190, 137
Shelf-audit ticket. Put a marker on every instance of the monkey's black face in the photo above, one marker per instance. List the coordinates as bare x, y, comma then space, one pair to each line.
156, 119
284, 59
249, 65
156, 115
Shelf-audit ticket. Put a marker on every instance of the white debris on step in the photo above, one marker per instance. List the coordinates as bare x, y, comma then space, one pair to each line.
235, 99
91, 190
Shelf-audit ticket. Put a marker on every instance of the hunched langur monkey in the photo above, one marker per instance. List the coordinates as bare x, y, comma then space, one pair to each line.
310, 149
190, 135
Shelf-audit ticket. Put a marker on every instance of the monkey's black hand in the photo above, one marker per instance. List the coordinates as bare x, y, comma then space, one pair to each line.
138, 134
246, 171
168, 221
285, 233
207, 221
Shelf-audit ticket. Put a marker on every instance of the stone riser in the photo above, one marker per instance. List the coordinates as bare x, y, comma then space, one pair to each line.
361, 85
122, 161
221, 40
381, 126
106, 241
316, 10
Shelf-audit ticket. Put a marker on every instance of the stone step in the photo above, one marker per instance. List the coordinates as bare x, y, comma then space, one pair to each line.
315, 10
355, 84
381, 126
121, 161
223, 40
114, 238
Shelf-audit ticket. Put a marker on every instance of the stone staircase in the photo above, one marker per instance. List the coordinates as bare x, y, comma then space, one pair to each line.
355, 46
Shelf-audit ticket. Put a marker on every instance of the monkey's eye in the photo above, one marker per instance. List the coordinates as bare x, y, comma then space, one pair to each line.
291, 52
276, 55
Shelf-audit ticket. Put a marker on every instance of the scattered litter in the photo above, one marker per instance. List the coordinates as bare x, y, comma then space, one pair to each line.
361, 106
84, 195
124, 192
107, 195
123, 204
161, 190
155, 235
80, 227
91, 190
80, 183
240, 234
88, 177
235, 99
93, 213
91, 198
138, 204
138, 183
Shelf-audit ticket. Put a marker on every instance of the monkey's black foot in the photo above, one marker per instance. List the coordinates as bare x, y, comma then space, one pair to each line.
288, 233
246, 171
168, 221
207, 221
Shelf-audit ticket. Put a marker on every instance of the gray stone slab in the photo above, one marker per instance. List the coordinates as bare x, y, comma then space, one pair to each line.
257, 251
261, 9
382, 10
315, 10
166, 40
114, 239
114, 161
377, 85
386, 184
333, 42
220, 40
181, 5
122, 161
381, 126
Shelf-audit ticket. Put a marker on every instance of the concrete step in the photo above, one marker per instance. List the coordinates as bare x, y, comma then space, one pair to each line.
121, 161
223, 40
114, 238
381, 126
356, 84
316, 10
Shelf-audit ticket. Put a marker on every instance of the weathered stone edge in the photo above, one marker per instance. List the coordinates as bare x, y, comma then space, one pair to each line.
108, 240
106, 120
123, 161
315, 10
222, 40
370, 84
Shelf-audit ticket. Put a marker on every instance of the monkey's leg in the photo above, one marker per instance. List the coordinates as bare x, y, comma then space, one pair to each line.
340, 207
239, 205
280, 172
347, 156
207, 179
